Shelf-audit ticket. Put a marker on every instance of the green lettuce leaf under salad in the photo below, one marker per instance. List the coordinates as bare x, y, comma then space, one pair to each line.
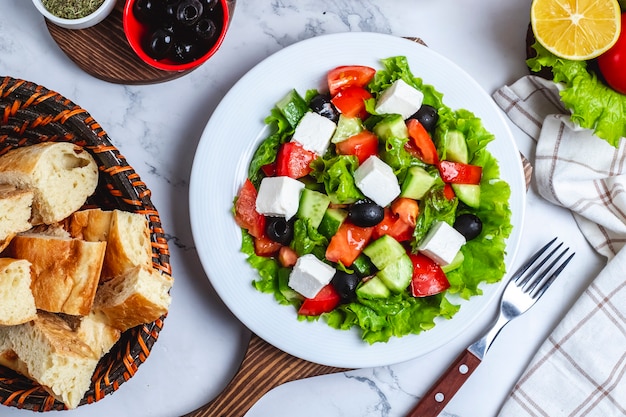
593, 105
399, 314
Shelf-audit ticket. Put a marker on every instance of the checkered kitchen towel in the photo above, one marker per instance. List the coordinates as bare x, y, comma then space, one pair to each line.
580, 370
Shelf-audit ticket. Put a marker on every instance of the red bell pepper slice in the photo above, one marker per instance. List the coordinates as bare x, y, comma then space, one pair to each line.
428, 278
421, 144
351, 101
460, 173
362, 145
348, 76
348, 243
246, 215
293, 160
326, 300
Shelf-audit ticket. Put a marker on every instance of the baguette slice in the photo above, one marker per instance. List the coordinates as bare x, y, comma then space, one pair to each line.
94, 331
139, 296
15, 211
65, 271
49, 352
17, 304
61, 176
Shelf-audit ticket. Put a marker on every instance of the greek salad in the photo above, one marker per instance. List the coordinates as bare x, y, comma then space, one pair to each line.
372, 204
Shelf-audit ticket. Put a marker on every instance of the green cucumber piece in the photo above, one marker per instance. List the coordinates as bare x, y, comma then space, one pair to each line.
331, 220
397, 275
468, 193
456, 262
346, 127
362, 266
456, 147
384, 251
373, 288
391, 126
416, 183
293, 107
312, 206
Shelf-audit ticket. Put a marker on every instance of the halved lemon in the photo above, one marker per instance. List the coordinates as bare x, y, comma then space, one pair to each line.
576, 29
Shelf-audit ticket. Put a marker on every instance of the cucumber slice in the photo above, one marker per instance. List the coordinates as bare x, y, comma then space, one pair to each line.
468, 193
417, 182
293, 107
312, 206
456, 147
392, 126
384, 251
346, 127
373, 288
331, 220
363, 266
397, 275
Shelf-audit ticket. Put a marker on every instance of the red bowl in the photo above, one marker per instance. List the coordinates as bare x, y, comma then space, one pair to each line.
136, 31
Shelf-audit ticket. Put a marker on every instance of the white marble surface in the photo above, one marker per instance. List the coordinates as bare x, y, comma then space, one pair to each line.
157, 128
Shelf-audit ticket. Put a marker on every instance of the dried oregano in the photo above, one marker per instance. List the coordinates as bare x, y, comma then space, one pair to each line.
72, 9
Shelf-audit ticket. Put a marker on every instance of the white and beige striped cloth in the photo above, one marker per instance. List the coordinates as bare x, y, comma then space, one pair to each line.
580, 370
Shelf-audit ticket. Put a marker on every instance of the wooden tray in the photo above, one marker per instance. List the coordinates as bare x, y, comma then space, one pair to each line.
103, 51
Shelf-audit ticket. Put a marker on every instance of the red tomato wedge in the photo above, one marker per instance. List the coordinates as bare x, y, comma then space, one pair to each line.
362, 145
459, 173
326, 300
448, 192
421, 142
391, 225
348, 76
406, 209
246, 215
351, 101
264, 246
348, 243
293, 160
428, 278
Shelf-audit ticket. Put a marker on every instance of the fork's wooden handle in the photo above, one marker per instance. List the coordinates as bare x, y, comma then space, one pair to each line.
446, 386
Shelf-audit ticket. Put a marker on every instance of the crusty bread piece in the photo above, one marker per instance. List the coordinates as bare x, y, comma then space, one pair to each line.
97, 334
139, 296
15, 208
49, 352
65, 271
61, 176
17, 304
127, 235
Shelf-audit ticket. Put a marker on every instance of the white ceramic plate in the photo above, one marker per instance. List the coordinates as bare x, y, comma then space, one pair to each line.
220, 167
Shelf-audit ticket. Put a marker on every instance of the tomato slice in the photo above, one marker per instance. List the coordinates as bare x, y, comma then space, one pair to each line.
351, 101
348, 76
448, 192
326, 300
422, 143
348, 243
428, 278
459, 173
406, 209
264, 246
269, 169
391, 225
293, 160
362, 145
246, 215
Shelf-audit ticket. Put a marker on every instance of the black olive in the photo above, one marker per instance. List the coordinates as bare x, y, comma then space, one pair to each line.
205, 29
189, 12
427, 116
279, 229
321, 105
469, 225
366, 213
159, 44
185, 51
170, 9
345, 284
209, 4
147, 11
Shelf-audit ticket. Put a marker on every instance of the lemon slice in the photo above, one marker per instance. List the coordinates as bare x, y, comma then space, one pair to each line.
576, 29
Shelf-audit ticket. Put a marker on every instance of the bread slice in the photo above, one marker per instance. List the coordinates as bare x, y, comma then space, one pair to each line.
15, 210
65, 271
139, 296
61, 176
17, 304
49, 352
94, 331
127, 235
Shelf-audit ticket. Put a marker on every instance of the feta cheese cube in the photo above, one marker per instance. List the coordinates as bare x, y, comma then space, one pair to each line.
377, 181
400, 98
314, 132
309, 275
279, 196
441, 243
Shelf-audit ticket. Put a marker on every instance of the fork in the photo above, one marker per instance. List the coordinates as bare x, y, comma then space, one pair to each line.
522, 291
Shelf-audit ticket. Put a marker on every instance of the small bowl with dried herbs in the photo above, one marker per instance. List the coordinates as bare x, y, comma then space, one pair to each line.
75, 14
